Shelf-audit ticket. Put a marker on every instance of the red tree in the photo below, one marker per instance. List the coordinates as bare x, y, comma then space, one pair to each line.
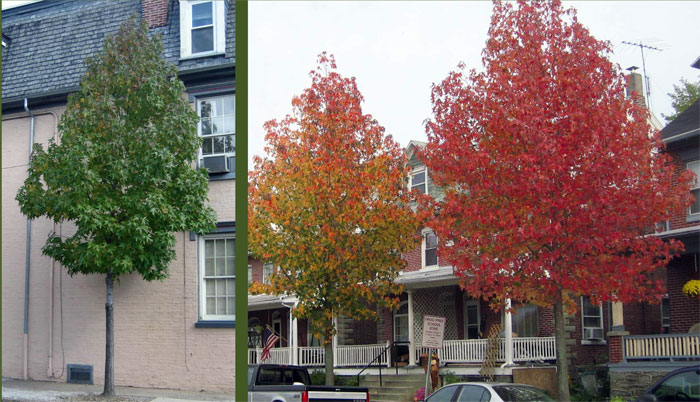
552, 177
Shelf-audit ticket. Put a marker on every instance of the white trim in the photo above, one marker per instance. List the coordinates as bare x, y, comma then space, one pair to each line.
423, 265
266, 276
696, 184
681, 231
218, 27
203, 316
680, 135
591, 341
416, 170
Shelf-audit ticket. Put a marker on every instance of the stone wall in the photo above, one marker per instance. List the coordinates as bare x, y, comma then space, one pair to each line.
632, 384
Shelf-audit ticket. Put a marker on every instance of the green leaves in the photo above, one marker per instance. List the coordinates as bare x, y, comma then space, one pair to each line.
123, 170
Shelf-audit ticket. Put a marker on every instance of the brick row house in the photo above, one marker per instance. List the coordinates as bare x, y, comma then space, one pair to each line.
431, 288
178, 333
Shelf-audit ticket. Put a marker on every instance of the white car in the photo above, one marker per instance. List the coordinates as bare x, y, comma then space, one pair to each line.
488, 392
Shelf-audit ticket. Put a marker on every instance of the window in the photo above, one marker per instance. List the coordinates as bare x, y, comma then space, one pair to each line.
695, 189
526, 321
679, 387
473, 393
250, 274
218, 280
217, 125
419, 180
592, 316
268, 269
401, 323
430, 242
665, 315
471, 319
202, 28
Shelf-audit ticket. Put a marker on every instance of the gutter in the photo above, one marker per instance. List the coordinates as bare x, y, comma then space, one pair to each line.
28, 255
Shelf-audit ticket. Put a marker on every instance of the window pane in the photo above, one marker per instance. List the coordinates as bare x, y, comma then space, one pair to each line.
211, 287
220, 287
202, 40
430, 240
217, 125
591, 322
471, 393
418, 178
220, 266
230, 247
219, 145
444, 394
206, 126
205, 109
229, 124
201, 14
230, 266
229, 105
230, 287
207, 146
220, 305
695, 208
221, 248
230, 143
471, 315
209, 266
230, 306
211, 305
209, 248
430, 257
472, 332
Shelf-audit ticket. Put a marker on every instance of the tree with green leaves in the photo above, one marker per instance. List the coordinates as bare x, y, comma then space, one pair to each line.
123, 171
329, 206
684, 94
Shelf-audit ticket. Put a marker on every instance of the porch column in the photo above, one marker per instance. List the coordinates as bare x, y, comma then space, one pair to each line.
293, 338
618, 320
411, 332
509, 335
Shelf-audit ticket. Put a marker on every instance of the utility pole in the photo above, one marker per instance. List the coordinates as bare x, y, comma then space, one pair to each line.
644, 67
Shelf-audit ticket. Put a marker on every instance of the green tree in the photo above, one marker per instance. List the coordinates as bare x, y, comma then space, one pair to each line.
123, 171
684, 94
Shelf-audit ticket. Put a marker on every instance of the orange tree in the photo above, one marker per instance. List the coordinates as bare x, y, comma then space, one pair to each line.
329, 206
552, 177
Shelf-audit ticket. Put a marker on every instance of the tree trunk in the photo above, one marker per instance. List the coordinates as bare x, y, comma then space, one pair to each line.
560, 339
109, 351
328, 348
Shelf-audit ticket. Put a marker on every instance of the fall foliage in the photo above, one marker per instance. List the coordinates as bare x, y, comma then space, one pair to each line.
329, 206
552, 178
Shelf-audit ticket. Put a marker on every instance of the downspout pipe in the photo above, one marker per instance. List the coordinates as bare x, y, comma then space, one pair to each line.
28, 252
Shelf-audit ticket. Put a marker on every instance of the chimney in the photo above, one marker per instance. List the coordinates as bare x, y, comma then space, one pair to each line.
635, 84
155, 12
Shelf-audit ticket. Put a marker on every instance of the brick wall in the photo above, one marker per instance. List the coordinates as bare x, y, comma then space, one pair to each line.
678, 220
413, 259
155, 12
684, 311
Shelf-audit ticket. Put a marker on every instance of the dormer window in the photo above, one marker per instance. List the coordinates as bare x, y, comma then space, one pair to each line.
202, 28
419, 180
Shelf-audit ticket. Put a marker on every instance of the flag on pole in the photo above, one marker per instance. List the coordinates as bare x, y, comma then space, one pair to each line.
269, 340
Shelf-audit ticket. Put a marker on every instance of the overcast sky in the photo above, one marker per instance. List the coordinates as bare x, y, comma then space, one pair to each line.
397, 50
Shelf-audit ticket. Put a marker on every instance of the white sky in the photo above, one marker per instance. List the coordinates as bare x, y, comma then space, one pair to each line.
397, 50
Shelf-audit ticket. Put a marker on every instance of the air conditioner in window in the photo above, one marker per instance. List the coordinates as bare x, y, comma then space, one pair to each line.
593, 333
216, 164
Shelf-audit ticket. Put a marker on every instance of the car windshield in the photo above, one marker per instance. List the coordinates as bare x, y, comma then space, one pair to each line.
521, 393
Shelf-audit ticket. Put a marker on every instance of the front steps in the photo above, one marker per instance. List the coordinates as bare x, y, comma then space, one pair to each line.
395, 388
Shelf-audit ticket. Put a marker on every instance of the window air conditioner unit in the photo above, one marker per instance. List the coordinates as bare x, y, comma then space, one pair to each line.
593, 333
216, 164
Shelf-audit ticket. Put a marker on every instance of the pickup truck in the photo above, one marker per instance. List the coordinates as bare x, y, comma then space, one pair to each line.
281, 383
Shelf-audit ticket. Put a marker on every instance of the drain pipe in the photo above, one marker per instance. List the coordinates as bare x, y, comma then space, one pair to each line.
28, 249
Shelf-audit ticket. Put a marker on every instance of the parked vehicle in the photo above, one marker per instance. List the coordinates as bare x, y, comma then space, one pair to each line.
282, 383
682, 384
488, 392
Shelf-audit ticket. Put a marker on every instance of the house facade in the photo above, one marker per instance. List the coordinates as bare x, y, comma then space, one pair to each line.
527, 336
178, 333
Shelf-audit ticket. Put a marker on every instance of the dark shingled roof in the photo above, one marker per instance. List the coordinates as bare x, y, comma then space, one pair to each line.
51, 40
685, 125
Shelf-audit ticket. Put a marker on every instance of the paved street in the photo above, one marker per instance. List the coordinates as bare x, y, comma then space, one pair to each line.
36, 391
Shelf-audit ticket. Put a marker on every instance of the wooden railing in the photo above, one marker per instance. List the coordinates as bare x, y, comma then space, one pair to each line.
311, 356
534, 349
277, 356
473, 350
661, 347
361, 355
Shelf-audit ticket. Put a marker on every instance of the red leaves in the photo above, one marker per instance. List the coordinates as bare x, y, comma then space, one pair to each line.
549, 172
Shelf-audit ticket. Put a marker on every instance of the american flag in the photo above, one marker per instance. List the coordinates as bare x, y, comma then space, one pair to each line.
269, 339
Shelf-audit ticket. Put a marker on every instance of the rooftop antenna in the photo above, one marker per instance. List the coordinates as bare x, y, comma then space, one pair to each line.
644, 67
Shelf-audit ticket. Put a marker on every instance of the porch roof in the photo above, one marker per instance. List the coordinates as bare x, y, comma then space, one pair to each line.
264, 302
428, 278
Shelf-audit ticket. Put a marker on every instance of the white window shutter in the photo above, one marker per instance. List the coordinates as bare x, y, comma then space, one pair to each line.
185, 28
220, 26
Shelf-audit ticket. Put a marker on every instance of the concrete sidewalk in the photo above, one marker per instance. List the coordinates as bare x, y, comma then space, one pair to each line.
45, 391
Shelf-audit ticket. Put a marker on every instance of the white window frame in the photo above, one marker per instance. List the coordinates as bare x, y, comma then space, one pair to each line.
696, 184
268, 269
665, 326
219, 28
397, 315
416, 170
584, 340
471, 302
198, 104
250, 274
424, 235
203, 316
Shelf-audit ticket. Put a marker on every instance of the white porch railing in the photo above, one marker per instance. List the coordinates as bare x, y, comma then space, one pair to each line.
362, 355
661, 347
311, 356
277, 356
454, 351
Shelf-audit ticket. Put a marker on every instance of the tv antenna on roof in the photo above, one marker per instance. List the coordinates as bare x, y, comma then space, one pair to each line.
644, 67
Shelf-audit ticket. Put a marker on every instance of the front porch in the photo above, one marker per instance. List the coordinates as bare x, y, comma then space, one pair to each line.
454, 352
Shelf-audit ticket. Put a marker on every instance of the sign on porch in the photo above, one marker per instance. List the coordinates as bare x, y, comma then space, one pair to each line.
433, 331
